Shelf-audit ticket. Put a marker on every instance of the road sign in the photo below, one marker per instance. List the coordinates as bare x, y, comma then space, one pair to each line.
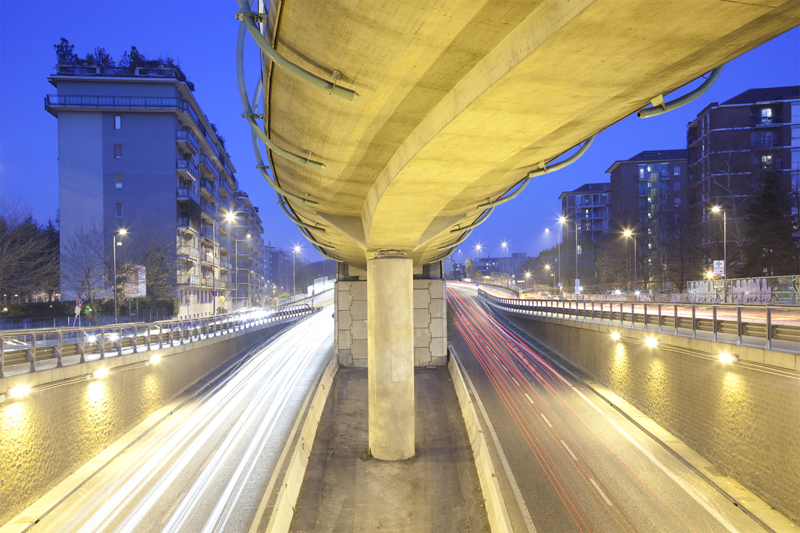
77, 310
78, 302
213, 293
719, 268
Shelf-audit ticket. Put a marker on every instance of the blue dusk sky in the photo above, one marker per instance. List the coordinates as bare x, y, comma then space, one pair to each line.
202, 36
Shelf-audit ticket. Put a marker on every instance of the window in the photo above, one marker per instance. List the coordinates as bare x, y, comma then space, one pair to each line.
677, 202
766, 115
117, 122
766, 162
117, 151
676, 171
118, 181
676, 187
118, 210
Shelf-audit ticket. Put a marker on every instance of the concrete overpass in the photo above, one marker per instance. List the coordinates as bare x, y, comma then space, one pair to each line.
457, 101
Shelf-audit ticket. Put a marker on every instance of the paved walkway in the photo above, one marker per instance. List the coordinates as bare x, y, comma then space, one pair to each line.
437, 490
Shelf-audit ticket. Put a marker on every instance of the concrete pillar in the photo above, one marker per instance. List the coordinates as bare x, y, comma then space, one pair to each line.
390, 347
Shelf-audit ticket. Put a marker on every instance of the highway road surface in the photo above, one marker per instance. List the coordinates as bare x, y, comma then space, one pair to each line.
206, 468
575, 463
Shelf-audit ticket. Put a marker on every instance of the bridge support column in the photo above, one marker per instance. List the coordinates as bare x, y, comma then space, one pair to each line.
390, 348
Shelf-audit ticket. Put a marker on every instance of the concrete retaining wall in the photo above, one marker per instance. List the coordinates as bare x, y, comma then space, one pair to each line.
46, 436
430, 322
744, 418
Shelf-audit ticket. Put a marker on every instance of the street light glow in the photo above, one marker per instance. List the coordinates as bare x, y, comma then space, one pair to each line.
627, 233
547, 267
527, 274
716, 209
504, 244
651, 342
123, 231
18, 392
562, 220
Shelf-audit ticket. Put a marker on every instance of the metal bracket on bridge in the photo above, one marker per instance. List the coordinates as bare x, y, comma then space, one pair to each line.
258, 17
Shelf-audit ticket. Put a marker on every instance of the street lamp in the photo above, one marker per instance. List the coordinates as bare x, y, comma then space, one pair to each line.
561, 221
629, 233
547, 267
295, 251
120, 232
717, 209
504, 244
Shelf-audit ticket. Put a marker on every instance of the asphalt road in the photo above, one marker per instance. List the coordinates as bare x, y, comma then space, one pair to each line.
206, 467
577, 463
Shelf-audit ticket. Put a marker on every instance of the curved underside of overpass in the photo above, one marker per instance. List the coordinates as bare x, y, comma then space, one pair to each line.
458, 100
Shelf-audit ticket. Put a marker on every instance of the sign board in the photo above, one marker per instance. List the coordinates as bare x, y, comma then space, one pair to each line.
77, 310
559, 284
78, 302
135, 282
719, 268
221, 299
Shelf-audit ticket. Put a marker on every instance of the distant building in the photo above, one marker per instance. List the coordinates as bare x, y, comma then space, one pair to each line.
511, 265
649, 189
730, 145
279, 270
587, 210
136, 152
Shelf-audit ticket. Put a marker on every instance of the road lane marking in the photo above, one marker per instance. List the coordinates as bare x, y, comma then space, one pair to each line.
546, 420
570, 451
515, 381
689, 490
529, 398
603, 494
503, 460
590, 402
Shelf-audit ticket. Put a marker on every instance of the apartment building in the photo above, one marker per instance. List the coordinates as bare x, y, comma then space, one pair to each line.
730, 146
587, 211
136, 152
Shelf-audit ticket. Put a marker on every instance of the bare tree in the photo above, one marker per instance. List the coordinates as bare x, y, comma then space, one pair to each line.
83, 267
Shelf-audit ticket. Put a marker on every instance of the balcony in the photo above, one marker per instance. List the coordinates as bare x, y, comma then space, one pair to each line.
187, 141
226, 265
188, 252
225, 189
224, 285
208, 168
187, 169
207, 232
764, 143
186, 193
209, 210
208, 190
185, 223
188, 279
206, 256
53, 102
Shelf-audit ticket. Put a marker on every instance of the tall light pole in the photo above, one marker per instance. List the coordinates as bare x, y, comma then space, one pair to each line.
478, 249
120, 232
629, 233
717, 209
504, 244
547, 267
295, 251
213, 270
561, 221
230, 217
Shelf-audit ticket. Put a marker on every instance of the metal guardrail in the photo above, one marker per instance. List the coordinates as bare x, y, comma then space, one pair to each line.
36, 345
768, 323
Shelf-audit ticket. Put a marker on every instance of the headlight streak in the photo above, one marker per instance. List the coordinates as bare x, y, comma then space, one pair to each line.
514, 353
264, 382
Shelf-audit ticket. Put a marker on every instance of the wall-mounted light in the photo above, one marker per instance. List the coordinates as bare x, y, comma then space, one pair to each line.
100, 373
651, 342
155, 359
728, 358
18, 392
616, 336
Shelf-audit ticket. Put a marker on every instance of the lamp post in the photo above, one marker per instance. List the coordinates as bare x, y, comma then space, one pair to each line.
629, 233
717, 209
504, 244
295, 251
478, 249
547, 267
120, 232
561, 221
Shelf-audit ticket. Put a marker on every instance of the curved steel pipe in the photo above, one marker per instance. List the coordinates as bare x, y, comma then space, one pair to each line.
248, 111
246, 17
659, 107
477, 223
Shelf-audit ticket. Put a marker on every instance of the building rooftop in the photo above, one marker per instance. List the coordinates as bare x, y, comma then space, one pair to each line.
653, 155
768, 94
588, 187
